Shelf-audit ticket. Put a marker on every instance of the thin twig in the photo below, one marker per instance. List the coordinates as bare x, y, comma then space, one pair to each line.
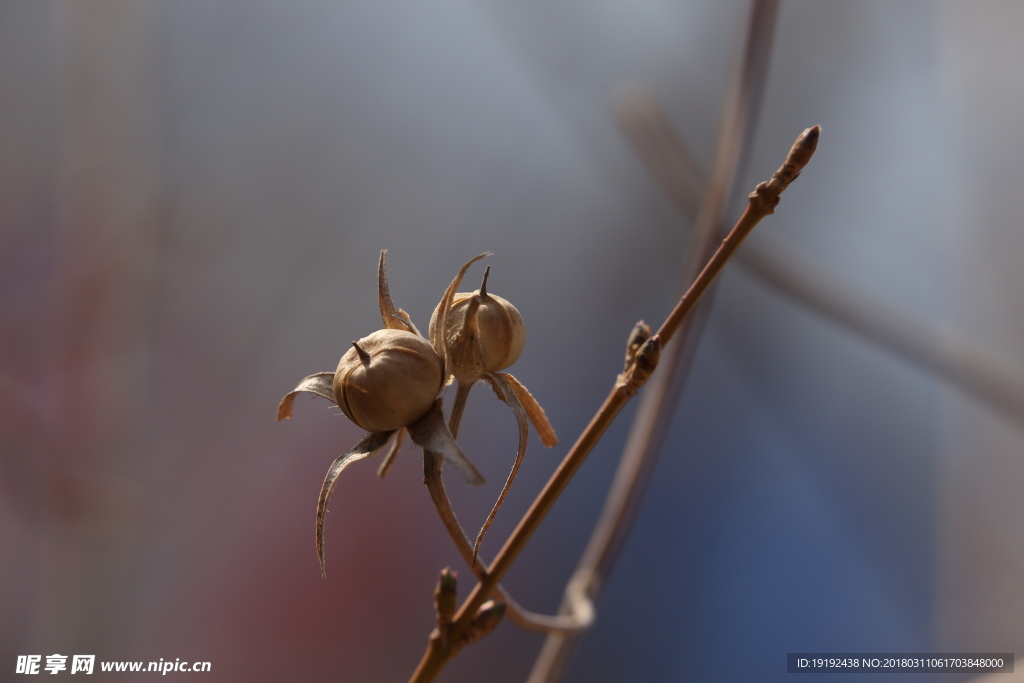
761, 203
992, 379
575, 620
658, 405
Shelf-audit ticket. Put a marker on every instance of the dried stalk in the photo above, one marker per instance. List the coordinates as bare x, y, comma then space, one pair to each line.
529, 621
762, 202
657, 407
576, 620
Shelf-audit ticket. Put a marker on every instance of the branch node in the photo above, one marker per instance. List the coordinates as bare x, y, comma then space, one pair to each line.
487, 618
644, 363
640, 333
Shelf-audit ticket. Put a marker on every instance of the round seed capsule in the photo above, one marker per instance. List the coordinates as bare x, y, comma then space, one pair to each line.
388, 380
502, 332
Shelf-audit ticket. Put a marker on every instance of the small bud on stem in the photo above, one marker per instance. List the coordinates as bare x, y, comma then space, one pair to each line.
641, 331
445, 597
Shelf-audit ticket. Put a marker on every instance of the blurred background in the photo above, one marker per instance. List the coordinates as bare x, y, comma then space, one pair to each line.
193, 196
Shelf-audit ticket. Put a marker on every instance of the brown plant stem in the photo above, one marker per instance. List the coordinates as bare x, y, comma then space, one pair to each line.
761, 203
658, 405
574, 620
578, 619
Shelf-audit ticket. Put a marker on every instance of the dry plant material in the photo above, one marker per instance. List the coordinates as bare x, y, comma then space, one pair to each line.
581, 618
486, 619
485, 333
446, 600
762, 202
387, 380
388, 383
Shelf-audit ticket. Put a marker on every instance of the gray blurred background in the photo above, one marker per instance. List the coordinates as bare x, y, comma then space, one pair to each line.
193, 195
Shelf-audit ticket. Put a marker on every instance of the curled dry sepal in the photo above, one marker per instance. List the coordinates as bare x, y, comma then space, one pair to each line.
390, 381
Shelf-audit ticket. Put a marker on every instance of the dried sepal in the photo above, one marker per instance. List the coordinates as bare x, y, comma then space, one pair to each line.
505, 392
533, 410
393, 318
404, 317
318, 384
437, 333
389, 457
364, 448
464, 348
432, 434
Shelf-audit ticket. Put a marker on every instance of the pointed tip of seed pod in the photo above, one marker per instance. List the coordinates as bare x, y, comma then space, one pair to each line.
364, 357
483, 285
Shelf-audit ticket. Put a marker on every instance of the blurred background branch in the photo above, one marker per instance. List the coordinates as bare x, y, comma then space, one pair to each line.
659, 402
996, 381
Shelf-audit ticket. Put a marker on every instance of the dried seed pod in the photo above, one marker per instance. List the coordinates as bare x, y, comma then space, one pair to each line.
500, 331
388, 380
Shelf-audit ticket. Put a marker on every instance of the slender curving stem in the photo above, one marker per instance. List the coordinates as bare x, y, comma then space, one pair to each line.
578, 619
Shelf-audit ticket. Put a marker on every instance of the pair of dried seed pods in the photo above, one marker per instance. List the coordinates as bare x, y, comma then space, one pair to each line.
390, 382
